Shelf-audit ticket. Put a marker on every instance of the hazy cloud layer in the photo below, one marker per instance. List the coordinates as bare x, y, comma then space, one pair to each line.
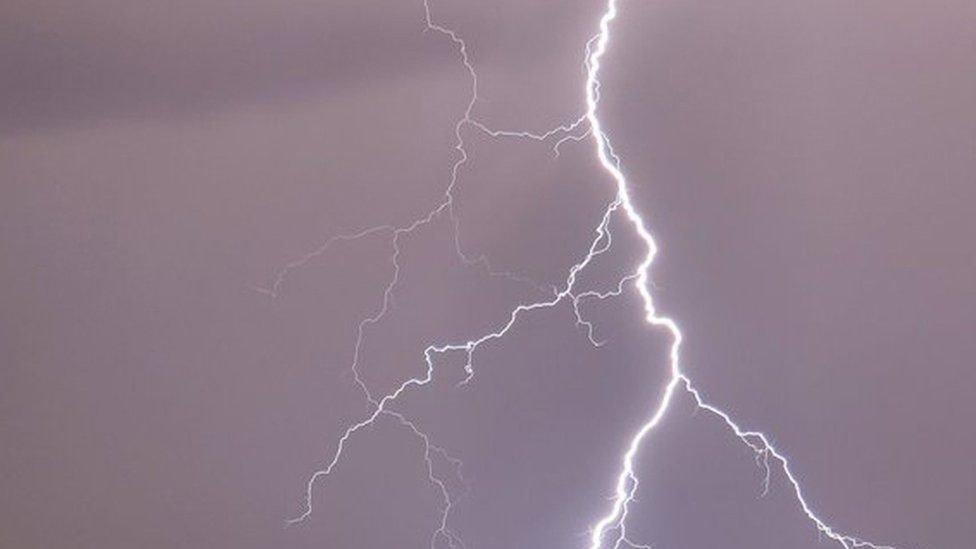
808, 169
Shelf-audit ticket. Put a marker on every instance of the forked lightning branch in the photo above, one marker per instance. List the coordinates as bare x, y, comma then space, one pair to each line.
610, 529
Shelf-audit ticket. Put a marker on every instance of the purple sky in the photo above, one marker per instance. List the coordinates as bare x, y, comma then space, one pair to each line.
808, 169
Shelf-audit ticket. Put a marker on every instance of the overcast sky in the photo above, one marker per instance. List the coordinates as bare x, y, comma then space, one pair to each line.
807, 167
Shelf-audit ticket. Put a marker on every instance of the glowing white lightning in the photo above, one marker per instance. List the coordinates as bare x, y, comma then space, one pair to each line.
627, 481
612, 526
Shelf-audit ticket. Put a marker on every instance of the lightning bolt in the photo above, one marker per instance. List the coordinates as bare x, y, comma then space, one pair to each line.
627, 481
609, 530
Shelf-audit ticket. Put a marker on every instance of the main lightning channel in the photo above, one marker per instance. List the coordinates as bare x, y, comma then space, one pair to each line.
627, 481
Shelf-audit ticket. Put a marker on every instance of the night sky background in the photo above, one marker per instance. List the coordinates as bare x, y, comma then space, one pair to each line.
808, 168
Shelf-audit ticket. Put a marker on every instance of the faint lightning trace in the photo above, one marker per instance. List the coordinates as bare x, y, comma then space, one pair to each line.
612, 527
446, 206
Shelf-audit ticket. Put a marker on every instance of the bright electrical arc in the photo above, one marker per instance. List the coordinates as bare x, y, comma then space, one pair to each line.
610, 530
627, 481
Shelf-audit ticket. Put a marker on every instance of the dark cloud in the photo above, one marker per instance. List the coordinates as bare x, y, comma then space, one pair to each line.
67, 63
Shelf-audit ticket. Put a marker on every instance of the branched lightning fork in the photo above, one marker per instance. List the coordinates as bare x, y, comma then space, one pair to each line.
445, 206
612, 527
